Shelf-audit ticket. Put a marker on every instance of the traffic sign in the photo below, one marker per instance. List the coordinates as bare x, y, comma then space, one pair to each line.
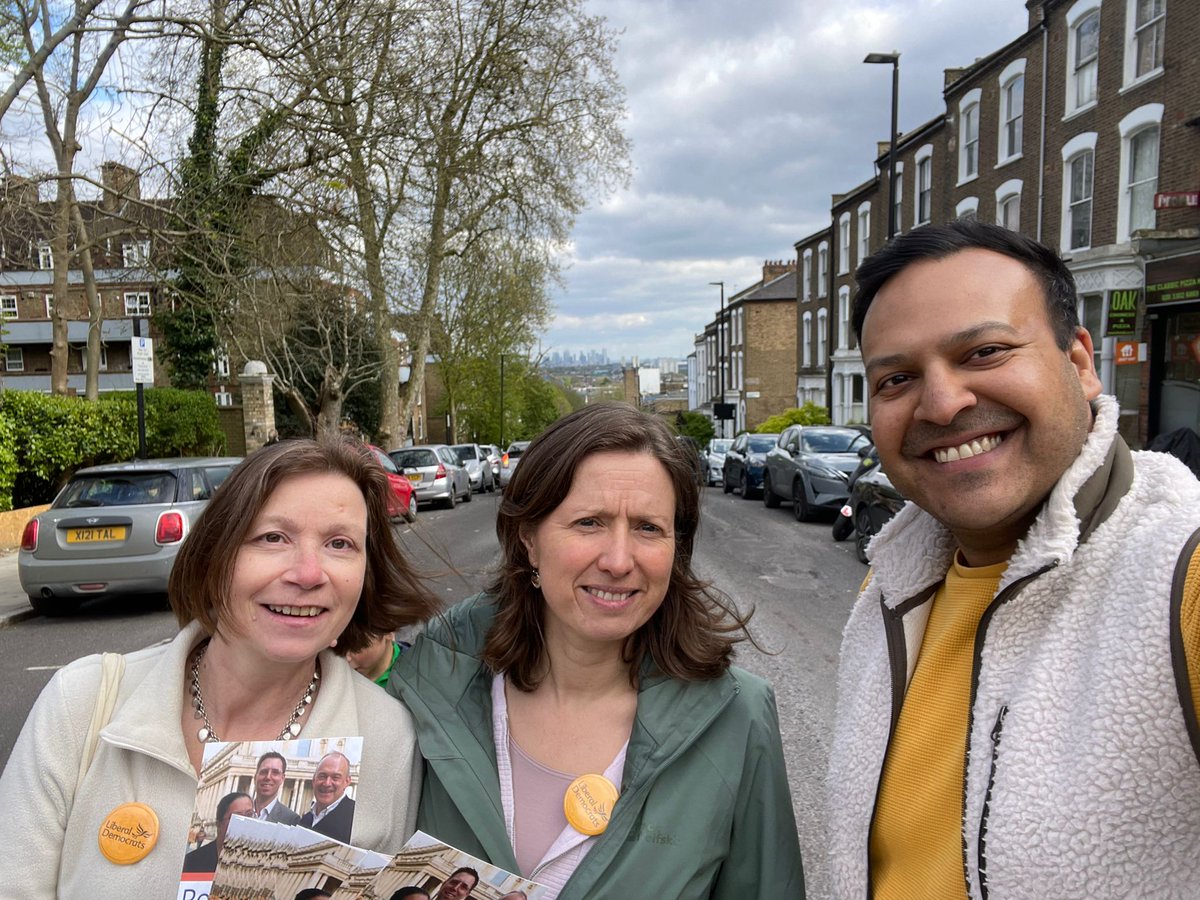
142, 353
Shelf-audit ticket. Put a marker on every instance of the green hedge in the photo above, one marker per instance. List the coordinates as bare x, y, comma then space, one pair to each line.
49, 437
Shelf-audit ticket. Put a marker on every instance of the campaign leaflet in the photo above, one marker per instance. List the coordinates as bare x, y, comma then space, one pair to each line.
305, 782
262, 859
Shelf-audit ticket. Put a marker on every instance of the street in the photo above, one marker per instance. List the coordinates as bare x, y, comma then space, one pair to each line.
800, 583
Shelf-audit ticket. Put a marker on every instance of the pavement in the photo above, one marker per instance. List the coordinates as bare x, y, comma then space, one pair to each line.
14, 605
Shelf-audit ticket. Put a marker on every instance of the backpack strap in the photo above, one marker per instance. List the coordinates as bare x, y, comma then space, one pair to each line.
112, 667
1186, 583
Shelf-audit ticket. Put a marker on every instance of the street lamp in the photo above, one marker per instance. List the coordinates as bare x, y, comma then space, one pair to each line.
894, 59
720, 358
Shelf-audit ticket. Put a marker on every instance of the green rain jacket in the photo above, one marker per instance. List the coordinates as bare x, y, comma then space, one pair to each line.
705, 810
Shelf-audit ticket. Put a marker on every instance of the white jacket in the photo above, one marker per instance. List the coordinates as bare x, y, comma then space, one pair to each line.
1081, 780
50, 837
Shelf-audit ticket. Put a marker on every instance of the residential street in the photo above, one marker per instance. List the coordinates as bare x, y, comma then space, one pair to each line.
800, 583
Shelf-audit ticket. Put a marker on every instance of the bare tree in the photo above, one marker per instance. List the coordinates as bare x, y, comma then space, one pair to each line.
64, 83
518, 113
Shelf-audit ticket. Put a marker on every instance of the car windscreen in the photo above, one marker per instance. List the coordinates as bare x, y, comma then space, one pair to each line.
465, 454
414, 459
761, 443
719, 446
515, 451
117, 489
833, 441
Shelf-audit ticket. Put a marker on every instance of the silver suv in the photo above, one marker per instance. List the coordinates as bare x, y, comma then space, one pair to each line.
810, 465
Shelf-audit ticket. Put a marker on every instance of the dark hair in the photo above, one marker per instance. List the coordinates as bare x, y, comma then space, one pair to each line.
271, 754
468, 869
692, 633
392, 596
312, 894
409, 892
934, 242
227, 801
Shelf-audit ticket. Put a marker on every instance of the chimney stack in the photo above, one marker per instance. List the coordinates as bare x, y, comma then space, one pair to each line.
121, 183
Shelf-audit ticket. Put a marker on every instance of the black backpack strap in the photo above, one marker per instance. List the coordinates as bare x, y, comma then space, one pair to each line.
1183, 682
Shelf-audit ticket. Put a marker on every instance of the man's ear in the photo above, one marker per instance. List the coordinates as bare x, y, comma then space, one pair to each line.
1083, 357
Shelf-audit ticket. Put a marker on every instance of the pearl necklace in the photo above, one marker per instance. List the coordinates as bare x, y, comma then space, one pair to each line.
206, 735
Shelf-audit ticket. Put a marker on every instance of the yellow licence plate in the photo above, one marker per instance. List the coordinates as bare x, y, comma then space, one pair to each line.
96, 535
415, 478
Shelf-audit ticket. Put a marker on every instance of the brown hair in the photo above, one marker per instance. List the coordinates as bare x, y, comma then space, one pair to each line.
392, 596
690, 636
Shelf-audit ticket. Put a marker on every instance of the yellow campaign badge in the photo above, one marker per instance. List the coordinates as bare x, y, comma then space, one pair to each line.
589, 802
129, 833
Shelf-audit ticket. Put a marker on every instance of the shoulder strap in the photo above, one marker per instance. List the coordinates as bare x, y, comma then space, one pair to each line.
112, 667
1189, 559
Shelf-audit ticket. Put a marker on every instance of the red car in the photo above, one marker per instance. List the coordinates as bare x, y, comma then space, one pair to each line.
402, 501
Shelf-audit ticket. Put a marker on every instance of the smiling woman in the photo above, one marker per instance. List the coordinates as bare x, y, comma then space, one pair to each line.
625, 756
293, 556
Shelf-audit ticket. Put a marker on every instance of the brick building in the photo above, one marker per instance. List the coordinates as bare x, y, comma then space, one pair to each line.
762, 345
1083, 132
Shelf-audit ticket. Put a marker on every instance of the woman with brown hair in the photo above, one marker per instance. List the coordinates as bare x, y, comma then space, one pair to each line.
293, 556
581, 723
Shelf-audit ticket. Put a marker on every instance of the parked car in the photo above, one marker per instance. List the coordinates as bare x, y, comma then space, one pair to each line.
744, 460
479, 471
494, 455
874, 501
402, 502
435, 473
115, 529
714, 459
508, 462
810, 465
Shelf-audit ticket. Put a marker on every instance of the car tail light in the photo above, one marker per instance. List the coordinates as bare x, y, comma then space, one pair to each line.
169, 529
29, 536
504, 460
440, 473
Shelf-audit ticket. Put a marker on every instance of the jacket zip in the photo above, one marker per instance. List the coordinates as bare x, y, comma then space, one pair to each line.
987, 802
980, 637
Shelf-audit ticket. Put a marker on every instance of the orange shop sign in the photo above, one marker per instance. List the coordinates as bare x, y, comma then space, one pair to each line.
1126, 353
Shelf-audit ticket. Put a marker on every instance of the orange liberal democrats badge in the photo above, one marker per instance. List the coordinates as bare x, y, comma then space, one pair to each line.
589, 802
129, 833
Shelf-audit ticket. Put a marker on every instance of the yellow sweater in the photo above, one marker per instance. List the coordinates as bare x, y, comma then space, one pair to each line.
916, 836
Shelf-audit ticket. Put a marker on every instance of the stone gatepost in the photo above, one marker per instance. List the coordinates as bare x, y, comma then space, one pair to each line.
258, 405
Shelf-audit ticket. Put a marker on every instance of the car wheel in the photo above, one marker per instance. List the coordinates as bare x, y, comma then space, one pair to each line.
726, 483
451, 501
770, 498
862, 524
469, 494
800, 502
410, 514
744, 484
491, 488
53, 606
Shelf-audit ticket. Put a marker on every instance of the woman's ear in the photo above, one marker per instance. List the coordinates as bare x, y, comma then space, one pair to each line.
530, 546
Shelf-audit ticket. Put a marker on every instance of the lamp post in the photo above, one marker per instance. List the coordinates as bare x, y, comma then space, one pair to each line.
894, 59
721, 356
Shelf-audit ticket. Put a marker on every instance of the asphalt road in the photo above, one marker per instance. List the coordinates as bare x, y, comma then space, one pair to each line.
799, 582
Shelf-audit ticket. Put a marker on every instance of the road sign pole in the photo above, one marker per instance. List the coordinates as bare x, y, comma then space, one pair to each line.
141, 399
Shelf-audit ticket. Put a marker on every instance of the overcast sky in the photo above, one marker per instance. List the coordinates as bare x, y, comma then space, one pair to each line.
745, 117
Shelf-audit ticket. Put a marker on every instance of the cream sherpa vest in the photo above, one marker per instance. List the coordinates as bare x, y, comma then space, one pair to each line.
1081, 780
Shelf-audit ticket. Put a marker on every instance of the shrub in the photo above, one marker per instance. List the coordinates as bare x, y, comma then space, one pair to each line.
808, 414
50, 437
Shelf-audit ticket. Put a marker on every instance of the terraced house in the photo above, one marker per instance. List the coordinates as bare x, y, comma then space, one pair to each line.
1084, 133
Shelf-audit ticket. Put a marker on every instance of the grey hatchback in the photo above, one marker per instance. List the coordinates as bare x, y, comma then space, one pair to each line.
115, 529
435, 473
